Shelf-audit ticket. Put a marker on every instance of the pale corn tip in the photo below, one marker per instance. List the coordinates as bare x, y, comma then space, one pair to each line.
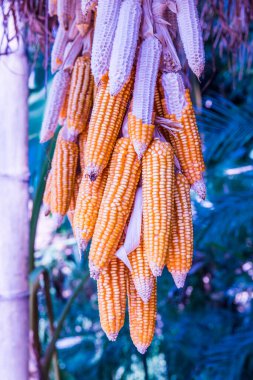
200, 188
46, 210
142, 348
94, 271
179, 278
155, 269
58, 219
144, 288
45, 136
112, 337
92, 172
140, 148
82, 243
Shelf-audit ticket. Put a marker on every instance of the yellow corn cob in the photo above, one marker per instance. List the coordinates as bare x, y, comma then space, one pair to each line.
187, 146
106, 119
141, 274
140, 134
72, 205
64, 109
180, 250
80, 96
82, 141
47, 194
87, 208
123, 177
142, 316
158, 191
111, 288
63, 175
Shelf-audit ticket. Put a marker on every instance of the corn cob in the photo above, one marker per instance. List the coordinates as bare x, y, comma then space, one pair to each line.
82, 141
65, 12
111, 288
106, 23
80, 98
72, 205
141, 274
54, 103
187, 147
171, 18
82, 20
52, 7
174, 92
180, 250
158, 189
63, 175
124, 44
88, 5
140, 134
47, 194
64, 109
142, 316
106, 119
123, 177
72, 51
60, 43
191, 36
87, 208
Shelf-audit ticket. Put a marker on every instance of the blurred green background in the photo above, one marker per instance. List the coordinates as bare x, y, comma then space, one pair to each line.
203, 332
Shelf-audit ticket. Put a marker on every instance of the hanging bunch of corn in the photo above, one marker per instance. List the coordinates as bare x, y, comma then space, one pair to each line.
119, 73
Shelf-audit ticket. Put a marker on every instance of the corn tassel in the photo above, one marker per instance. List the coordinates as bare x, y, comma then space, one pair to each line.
191, 36
63, 175
180, 250
141, 274
47, 194
106, 120
124, 44
123, 177
65, 12
158, 191
142, 316
111, 288
187, 146
82, 141
72, 205
80, 97
54, 104
174, 92
52, 8
140, 134
87, 208
106, 23
145, 79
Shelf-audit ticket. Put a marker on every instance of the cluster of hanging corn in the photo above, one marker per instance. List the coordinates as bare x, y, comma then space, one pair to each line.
129, 149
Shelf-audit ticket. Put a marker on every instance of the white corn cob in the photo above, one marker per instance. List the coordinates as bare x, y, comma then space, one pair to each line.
174, 92
54, 103
52, 7
66, 12
124, 44
145, 79
88, 5
82, 21
106, 23
72, 51
191, 36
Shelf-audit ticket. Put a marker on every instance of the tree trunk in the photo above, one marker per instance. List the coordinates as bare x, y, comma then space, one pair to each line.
14, 222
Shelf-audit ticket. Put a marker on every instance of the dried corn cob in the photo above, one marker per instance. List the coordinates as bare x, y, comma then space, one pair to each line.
158, 189
142, 316
64, 109
63, 175
47, 194
81, 95
123, 177
65, 12
141, 274
54, 103
72, 205
87, 208
88, 5
124, 44
187, 146
82, 20
52, 7
111, 287
140, 134
60, 43
106, 23
72, 51
191, 36
180, 250
82, 141
174, 92
106, 119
